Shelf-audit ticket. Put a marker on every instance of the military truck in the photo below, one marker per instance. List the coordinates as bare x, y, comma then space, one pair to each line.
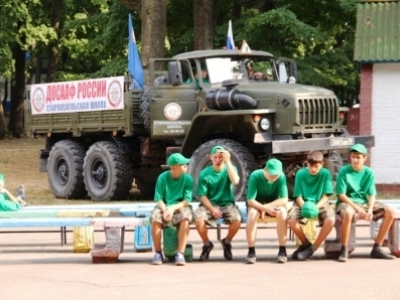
102, 135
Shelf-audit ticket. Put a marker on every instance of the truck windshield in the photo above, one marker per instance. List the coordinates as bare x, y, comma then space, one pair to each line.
242, 69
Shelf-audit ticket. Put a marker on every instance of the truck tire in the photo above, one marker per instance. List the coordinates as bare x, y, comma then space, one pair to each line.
144, 110
107, 172
240, 157
65, 170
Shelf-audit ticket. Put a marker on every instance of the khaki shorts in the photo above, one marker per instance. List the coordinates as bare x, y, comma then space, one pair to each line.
177, 218
324, 212
377, 211
230, 213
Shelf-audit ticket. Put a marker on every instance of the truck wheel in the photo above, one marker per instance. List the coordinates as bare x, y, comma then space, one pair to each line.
144, 110
107, 172
240, 157
64, 170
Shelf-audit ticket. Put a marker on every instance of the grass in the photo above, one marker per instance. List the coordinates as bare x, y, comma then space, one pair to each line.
19, 163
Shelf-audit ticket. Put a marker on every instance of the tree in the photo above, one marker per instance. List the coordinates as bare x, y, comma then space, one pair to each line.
203, 24
153, 14
54, 50
14, 16
19, 33
3, 125
15, 125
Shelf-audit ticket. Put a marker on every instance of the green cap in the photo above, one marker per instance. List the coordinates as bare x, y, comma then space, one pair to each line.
217, 149
360, 148
309, 210
177, 159
274, 167
2, 178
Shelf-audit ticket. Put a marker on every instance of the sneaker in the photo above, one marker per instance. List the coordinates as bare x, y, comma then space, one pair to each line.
21, 192
296, 252
378, 253
158, 259
205, 254
305, 253
227, 250
282, 257
344, 255
251, 258
22, 202
180, 259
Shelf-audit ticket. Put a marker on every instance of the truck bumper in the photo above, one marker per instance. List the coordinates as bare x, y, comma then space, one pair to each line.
288, 145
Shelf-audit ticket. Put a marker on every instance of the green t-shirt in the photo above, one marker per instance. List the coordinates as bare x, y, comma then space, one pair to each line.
173, 191
2, 178
216, 186
7, 205
260, 189
312, 187
357, 185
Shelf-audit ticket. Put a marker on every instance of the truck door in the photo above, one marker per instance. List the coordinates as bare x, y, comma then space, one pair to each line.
173, 98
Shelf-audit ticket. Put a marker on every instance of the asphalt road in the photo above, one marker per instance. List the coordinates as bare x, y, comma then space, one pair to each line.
35, 266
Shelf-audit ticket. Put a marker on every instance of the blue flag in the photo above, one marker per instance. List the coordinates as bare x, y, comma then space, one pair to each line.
134, 64
230, 44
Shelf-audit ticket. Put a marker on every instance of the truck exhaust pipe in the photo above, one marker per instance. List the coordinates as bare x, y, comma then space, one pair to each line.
230, 99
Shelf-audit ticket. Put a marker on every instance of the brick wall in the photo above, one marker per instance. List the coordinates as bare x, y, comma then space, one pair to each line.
366, 99
383, 107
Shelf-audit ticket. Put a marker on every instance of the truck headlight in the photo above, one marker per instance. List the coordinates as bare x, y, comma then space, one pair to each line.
265, 124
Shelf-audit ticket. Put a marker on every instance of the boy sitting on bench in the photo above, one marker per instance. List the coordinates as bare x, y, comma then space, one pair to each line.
312, 187
356, 192
174, 190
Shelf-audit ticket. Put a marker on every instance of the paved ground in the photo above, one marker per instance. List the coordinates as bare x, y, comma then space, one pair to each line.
35, 266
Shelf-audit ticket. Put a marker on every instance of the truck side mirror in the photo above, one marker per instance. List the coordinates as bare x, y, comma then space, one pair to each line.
175, 73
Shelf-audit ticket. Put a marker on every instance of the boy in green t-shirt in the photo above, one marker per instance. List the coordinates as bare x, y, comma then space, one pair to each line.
355, 187
7, 201
312, 184
267, 194
215, 189
174, 190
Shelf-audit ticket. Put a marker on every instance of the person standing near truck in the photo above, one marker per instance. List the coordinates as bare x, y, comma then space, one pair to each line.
215, 190
174, 189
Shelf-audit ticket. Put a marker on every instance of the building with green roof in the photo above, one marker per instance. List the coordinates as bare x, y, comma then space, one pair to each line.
377, 48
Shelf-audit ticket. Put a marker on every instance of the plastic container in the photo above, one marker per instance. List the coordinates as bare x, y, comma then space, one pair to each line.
143, 239
83, 239
170, 244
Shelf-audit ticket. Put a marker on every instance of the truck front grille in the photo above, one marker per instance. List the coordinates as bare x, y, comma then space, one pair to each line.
318, 112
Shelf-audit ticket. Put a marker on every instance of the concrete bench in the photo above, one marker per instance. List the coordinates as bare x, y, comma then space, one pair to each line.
392, 240
112, 219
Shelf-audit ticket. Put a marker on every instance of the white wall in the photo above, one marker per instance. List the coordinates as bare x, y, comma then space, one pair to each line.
385, 156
